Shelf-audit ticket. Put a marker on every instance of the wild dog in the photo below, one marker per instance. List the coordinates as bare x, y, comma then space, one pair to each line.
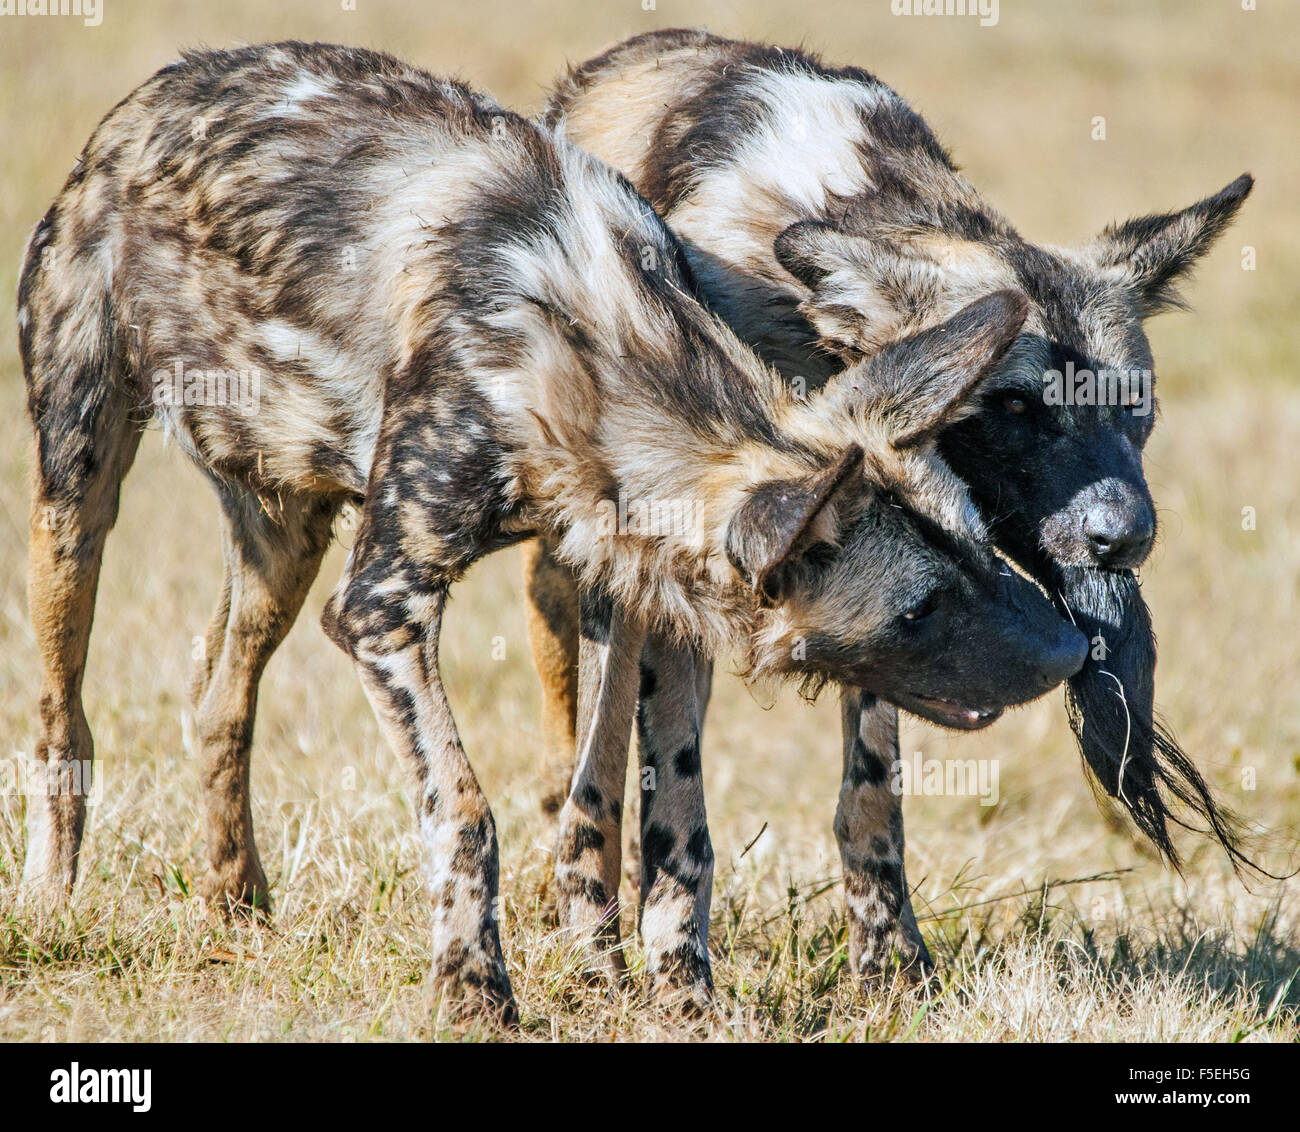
475, 333
822, 219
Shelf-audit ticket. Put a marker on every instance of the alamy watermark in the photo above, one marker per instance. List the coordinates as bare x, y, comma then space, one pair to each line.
985, 10
23, 775
1132, 388
953, 778
651, 518
91, 12
78, 1085
179, 386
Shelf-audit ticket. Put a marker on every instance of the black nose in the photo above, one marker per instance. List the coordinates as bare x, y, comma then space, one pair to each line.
1119, 537
1065, 659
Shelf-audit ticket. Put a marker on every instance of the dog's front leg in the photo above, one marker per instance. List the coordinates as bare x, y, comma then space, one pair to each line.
869, 829
676, 853
389, 624
589, 848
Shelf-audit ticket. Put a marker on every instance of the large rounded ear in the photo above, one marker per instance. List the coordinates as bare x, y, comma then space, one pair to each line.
863, 287
1154, 252
810, 250
780, 516
924, 383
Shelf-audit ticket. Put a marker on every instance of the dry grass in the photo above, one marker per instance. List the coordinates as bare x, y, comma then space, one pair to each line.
1193, 94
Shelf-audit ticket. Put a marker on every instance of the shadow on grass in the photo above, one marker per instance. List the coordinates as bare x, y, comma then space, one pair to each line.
794, 960
1261, 973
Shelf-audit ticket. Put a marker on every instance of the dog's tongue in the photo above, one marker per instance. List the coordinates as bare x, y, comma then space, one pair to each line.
969, 718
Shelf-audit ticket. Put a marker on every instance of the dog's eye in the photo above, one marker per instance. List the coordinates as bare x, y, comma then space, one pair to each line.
921, 610
1015, 404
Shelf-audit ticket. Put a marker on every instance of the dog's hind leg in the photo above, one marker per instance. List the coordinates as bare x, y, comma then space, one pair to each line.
70, 520
552, 605
272, 555
87, 432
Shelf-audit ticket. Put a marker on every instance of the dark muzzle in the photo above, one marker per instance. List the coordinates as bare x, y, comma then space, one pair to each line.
1120, 530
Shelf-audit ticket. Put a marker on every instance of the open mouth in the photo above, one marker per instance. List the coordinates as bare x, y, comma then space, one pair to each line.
948, 714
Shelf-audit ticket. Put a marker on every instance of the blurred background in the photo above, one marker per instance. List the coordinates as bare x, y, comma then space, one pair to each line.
1192, 93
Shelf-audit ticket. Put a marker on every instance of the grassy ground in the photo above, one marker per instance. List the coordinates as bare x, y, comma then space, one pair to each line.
1048, 918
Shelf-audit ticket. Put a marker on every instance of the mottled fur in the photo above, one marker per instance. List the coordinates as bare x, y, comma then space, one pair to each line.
822, 218
476, 333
